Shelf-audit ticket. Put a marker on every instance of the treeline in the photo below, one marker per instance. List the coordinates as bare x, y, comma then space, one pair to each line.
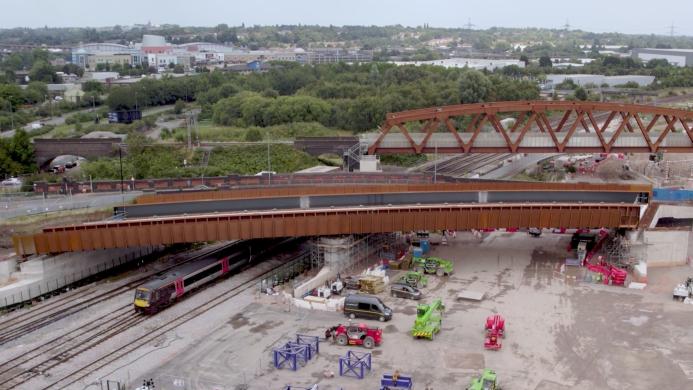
350, 97
554, 41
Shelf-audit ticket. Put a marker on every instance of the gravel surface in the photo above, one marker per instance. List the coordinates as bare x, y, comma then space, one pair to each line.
562, 333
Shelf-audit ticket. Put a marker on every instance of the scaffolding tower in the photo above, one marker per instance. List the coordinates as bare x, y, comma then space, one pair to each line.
358, 249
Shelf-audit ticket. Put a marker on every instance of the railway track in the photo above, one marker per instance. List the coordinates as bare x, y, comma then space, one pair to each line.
130, 347
462, 165
30, 321
63, 348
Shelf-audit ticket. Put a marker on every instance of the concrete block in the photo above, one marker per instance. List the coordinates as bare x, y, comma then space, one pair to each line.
7, 267
666, 247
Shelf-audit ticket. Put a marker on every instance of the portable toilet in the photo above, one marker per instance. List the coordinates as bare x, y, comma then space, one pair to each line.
425, 246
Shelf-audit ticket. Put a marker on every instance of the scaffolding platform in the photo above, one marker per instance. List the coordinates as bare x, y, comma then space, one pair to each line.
295, 354
355, 364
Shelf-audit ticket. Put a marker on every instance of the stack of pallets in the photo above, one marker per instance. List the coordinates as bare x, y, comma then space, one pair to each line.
402, 263
372, 284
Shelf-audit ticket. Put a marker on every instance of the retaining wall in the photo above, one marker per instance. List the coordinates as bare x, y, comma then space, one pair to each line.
44, 274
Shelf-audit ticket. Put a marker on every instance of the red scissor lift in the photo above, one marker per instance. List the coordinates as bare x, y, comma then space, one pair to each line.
495, 330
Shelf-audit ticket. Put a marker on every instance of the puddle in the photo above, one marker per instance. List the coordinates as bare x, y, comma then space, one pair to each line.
238, 321
264, 327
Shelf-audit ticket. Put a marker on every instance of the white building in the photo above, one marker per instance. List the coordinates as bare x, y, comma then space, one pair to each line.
595, 79
471, 63
676, 57
161, 60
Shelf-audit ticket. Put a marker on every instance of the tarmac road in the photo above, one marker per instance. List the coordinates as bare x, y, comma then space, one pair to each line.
295, 202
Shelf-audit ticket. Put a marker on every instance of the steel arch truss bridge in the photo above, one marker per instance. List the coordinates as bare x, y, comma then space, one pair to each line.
535, 127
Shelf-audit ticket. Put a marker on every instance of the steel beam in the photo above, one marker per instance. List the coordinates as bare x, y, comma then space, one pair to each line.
327, 221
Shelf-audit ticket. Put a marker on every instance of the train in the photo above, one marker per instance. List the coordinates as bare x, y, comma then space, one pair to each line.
164, 290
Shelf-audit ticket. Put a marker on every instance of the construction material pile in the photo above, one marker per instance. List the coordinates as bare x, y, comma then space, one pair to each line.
372, 284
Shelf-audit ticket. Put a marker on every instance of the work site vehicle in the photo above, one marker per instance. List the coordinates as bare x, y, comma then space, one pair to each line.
495, 330
429, 319
414, 279
366, 306
359, 334
684, 290
403, 290
432, 265
487, 381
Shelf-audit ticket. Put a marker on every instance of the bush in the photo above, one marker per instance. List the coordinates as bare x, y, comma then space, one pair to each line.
253, 135
178, 107
79, 117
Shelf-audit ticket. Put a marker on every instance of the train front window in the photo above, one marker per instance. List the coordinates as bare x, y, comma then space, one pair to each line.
142, 294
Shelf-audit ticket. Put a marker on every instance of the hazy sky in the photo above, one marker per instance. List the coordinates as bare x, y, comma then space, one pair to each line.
628, 16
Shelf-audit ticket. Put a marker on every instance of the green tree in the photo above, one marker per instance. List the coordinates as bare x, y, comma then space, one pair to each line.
12, 93
545, 62
580, 94
137, 153
73, 69
35, 92
178, 69
475, 87
121, 98
21, 152
43, 71
93, 86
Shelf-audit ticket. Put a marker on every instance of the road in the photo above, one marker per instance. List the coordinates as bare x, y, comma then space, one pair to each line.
59, 120
415, 198
10, 208
509, 170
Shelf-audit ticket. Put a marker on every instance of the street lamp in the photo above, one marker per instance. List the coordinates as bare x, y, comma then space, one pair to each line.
120, 158
269, 160
9, 104
50, 104
93, 108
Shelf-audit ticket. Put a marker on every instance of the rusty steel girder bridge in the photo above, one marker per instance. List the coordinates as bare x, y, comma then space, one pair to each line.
161, 219
535, 127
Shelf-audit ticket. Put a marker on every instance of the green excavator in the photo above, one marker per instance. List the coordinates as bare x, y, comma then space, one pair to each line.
429, 318
432, 265
487, 381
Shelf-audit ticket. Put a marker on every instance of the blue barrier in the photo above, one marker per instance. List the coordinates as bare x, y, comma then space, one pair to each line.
672, 195
401, 382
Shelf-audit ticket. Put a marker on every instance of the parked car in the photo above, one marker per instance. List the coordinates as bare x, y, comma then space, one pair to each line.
403, 290
13, 181
366, 306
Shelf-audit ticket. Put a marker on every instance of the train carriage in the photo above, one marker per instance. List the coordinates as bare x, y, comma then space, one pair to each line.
164, 290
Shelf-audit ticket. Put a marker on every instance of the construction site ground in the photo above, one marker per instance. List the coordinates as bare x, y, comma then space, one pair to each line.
562, 333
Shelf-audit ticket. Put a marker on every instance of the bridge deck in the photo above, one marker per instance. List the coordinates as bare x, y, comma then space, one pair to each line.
324, 221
